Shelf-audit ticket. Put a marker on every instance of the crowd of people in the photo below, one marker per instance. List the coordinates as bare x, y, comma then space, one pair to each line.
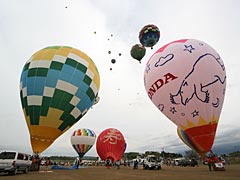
37, 161
109, 163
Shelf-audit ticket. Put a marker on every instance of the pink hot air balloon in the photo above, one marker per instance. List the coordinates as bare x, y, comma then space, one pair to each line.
186, 80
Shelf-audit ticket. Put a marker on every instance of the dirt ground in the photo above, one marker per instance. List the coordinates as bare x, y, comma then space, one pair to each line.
127, 173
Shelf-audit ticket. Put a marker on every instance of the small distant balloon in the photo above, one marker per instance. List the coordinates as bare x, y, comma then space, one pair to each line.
109, 52
120, 54
95, 32
65, 6
113, 61
111, 35
138, 52
110, 69
149, 35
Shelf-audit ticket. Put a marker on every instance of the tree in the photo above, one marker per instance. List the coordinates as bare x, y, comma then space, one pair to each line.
190, 154
130, 155
235, 154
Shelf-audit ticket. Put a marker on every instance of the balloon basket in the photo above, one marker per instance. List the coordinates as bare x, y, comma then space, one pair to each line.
218, 166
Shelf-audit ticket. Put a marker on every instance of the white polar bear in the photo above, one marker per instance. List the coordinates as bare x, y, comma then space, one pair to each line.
189, 88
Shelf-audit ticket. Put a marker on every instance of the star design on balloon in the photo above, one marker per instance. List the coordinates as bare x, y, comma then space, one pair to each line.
195, 113
160, 107
148, 68
189, 48
173, 110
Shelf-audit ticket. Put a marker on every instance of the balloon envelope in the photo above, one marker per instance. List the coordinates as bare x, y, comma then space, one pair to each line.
149, 35
57, 87
96, 100
82, 140
185, 139
113, 61
186, 80
110, 144
138, 52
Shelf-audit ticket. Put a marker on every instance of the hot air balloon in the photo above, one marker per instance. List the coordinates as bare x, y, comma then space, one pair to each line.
82, 140
97, 100
58, 85
149, 35
113, 61
138, 52
186, 80
110, 145
125, 146
185, 139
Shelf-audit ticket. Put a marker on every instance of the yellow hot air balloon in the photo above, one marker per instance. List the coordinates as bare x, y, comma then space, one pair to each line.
58, 85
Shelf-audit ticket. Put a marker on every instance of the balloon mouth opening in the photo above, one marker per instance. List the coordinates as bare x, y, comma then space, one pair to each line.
111, 158
151, 43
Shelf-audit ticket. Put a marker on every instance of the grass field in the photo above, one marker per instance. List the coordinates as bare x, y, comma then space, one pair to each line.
127, 173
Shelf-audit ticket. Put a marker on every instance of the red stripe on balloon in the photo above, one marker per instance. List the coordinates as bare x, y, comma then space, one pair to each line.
202, 136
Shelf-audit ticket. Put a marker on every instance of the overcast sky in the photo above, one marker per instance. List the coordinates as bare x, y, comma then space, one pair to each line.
27, 26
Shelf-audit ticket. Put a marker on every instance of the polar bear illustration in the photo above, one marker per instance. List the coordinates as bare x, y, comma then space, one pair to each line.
189, 88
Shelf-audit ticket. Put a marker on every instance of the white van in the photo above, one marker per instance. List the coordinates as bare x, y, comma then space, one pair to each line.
13, 161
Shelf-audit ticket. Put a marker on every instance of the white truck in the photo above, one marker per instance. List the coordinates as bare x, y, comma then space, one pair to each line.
152, 162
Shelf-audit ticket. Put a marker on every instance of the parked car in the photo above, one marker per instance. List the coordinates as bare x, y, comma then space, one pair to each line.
187, 162
152, 162
13, 161
178, 161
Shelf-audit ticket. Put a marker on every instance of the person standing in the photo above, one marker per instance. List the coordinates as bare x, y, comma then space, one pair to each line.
77, 162
209, 162
38, 162
48, 163
108, 163
118, 163
135, 164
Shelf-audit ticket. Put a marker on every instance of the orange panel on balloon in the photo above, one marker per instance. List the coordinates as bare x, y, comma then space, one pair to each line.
202, 136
